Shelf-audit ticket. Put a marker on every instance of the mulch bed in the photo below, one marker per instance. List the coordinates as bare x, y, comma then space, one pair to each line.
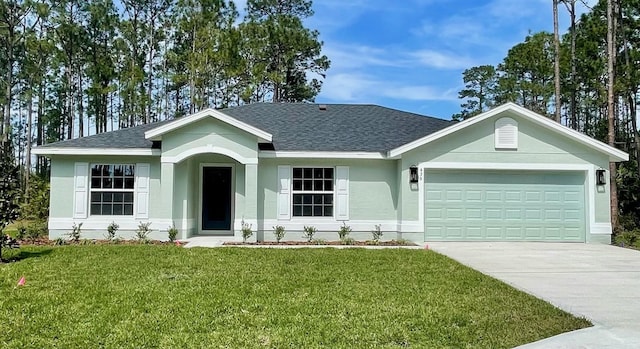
47, 242
312, 243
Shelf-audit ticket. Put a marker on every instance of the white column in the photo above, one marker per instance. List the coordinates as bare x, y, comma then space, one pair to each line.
167, 189
251, 198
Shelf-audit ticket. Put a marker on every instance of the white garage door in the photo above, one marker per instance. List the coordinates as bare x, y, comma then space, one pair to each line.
509, 206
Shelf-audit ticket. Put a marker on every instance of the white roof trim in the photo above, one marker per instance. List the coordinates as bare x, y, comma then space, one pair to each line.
96, 151
320, 155
156, 133
614, 154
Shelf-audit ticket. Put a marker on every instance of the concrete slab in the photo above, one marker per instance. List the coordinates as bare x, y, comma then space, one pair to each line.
599, 282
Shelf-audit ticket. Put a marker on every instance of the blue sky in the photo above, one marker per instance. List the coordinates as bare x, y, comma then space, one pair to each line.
410, 54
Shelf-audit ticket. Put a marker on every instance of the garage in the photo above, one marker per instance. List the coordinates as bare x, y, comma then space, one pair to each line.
463, 205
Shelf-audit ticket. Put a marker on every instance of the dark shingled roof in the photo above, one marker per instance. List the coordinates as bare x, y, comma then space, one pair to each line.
126, 138
303, 127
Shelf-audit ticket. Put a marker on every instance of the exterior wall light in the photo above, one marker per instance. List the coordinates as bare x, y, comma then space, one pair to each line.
413, 174
601, 179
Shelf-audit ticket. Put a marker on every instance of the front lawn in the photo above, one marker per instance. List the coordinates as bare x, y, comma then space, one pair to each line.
170, 297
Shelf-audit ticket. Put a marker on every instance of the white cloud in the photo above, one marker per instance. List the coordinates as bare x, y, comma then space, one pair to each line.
443, 60
345, 56
419, 93
364, 88
348, 87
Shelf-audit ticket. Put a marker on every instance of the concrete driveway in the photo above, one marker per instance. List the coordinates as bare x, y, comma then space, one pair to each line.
599, 282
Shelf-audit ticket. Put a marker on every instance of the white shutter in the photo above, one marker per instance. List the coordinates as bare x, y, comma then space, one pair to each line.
342, 193
81, 189
141, 200
284, 192
506, 134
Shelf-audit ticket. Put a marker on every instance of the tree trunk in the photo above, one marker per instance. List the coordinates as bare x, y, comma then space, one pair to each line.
28, 150
80, 106
556, 65
192, 92
6, 122
611, 111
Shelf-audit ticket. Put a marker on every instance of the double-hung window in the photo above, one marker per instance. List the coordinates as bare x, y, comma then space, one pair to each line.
112, 189
313, 189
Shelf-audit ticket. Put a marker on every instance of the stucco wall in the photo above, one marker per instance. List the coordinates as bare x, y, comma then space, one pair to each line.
373, 197
209, 132
94, 227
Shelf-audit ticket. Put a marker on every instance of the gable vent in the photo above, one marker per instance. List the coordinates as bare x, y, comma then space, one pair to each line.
506, 134
322, 107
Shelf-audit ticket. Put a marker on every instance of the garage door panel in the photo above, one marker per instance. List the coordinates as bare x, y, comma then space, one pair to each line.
504, 206
473, 196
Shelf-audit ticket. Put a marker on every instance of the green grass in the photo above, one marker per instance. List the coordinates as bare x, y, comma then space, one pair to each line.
170, 297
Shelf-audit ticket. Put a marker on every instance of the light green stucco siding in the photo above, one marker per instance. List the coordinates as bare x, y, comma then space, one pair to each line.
476, 144
62, 181
209, 132
372, 186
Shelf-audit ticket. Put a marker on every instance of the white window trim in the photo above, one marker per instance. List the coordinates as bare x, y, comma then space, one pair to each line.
112, 190
324, 192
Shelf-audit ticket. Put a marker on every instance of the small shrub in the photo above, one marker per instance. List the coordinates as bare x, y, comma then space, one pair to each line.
309, 232
76, 231
629, 238
21, 231
279, 232
404, 242
173, 233
112, 229
344, 231
36, 230
59, 242
36, 200
348, 241
246, 231
143, 231
319, 241
376, 233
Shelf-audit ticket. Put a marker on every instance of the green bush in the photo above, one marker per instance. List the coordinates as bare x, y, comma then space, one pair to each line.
629, 238
143, 231
309, 232
21, 231
319, 241
246, 231
279, 232
173, 233
344, 231
348, 241
76, 231
36, 204
36, 230
377, 233
112, 229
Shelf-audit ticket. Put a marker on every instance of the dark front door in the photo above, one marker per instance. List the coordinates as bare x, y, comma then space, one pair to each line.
216, 198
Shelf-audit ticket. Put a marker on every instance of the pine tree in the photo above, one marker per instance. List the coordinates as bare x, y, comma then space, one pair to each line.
9, 189
282, 51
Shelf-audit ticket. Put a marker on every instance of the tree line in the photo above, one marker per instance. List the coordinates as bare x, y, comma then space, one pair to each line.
71, 68
580, 99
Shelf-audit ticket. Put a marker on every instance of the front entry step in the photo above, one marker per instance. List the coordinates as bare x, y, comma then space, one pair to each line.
207, 241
